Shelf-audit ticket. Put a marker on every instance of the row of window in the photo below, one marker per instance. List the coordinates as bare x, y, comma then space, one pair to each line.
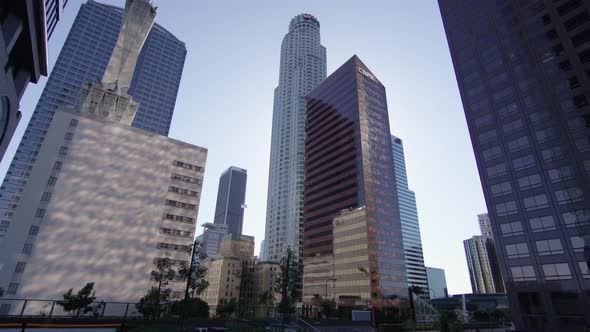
544, 247
558, 271
175, 247
173, 217
183, 191
181, 205
175, 232
544, 223
531, 203
185, 178
188, 166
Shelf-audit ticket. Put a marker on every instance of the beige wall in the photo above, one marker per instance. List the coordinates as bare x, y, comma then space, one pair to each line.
224, 280
105, 218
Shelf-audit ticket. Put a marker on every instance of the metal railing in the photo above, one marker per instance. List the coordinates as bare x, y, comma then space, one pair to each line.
51, 308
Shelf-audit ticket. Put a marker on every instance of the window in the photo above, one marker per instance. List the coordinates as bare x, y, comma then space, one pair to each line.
519, 250
185, 178
506, 208
518, 144
584, 269
545, 135
576, 218
175, 247
51, 181
27, 248
549, 247
501, 188
63, 150
173, 217
496, 170
69, 136
560, 271
552, 154
583, 144
536, 202
512, 126
541, 224
492, 153
487, 136
34, 230
523, 273
12, 287
530, 181
46, 196
578, 243
483, 120
20, 267
523, 162
511, 228
175, 232
57, 165
187, 166
73, 123
569, 195
181, 205
507, 110
560, 174
182, 191
40, 213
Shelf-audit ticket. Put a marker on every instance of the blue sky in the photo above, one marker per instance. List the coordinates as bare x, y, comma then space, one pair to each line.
226, 96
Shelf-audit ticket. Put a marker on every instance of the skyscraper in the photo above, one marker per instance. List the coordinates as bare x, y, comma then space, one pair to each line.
409, 217
108, 201
231, 199
83, 59
350, 186
484, 224
522, 70
437, 283
484, 271
302, 68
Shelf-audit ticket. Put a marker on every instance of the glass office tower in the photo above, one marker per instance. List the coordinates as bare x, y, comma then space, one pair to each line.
83, 58
523, 72
302, 68
409, 218
231, 199
349, 164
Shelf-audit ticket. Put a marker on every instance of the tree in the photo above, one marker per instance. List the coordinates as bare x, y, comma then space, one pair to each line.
79, 303
267, 298
226, 308
154, 303
195, 308
195, 273
288, 282
327, 307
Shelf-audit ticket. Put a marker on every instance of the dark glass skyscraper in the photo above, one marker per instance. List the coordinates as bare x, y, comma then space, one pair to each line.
231, 198
84, 58
409, 219
349, 164
523, 72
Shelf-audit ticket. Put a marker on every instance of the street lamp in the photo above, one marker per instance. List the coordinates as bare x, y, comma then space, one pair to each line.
370, 274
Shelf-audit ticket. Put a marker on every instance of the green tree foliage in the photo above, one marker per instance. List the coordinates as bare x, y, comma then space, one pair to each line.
190, 308
196, 274
288, 283
226, 309
328, 307
79, 303
154, 303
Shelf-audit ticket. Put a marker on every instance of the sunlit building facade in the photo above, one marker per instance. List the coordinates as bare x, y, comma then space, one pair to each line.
302, 68
349, 164
84, 58
522, 69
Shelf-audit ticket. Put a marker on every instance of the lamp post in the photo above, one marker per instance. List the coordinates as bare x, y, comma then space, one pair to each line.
370, 275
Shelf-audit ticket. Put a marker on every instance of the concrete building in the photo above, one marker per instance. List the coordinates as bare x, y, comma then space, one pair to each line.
484, 271
302, 68
349, 164
84, 58
231, 199
25, 28
237, 274
108, 200
522, 71
409, 217
437, 283
484, 225
211, 238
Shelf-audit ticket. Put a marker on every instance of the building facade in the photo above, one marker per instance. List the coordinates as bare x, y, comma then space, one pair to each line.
484, 225
107, 203
521, 67
211, 238
409, 217
349, 164
437, 283
84, 58
484, 271
231, 198
24, 32
302, 68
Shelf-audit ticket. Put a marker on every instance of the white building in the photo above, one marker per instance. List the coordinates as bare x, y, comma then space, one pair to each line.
302, 68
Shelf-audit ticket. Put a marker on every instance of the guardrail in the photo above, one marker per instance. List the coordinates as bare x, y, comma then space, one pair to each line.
51, 308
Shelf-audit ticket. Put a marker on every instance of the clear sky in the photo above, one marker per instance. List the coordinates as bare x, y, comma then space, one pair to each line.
226, 97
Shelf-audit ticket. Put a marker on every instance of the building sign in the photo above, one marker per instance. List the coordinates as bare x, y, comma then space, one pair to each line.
367, 74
